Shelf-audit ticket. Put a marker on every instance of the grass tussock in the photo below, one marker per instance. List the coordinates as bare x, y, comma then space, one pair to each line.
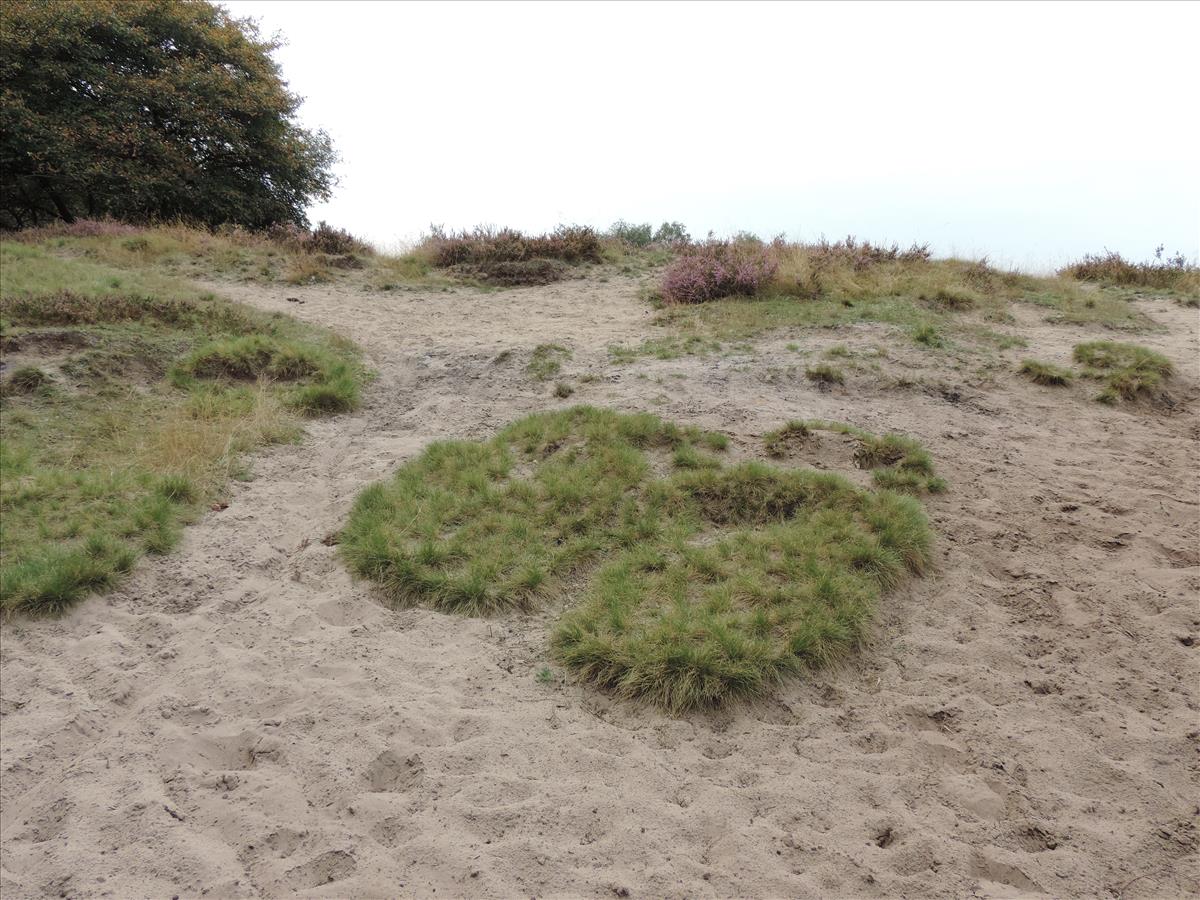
825, 374
546, 361
1046, 374
1126, 370
896, 461
706, 584
156, 393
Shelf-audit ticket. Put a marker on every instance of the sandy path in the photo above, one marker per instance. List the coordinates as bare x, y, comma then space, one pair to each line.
241, 720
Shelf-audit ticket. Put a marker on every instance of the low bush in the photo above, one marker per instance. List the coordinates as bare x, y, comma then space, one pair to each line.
718, 269
707, 585
634, 235
1127, 370
488, 246
642, 235
335, 242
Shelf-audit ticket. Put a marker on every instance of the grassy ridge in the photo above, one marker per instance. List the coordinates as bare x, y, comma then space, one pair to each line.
116, 425
704, 584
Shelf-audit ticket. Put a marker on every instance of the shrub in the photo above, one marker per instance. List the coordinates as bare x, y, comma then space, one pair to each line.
483, 246
859, 255
334, 241
718, 269
1045, 373
634, 235
672, 233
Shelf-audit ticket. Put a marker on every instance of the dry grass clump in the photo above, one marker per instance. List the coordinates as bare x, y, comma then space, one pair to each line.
1174, 273
25, 380
709, 584
1126, 370
825, 374
1045, 373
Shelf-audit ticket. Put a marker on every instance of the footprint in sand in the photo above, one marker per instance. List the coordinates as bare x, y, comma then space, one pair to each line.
390, 772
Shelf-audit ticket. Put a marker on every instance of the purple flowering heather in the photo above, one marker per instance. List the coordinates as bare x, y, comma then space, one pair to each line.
718, 269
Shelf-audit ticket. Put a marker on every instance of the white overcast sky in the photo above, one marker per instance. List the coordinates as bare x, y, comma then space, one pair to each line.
1028, 131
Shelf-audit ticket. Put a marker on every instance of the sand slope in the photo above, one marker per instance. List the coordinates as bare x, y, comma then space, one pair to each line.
241, 720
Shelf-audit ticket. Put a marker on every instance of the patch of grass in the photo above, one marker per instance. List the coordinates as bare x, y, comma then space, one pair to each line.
664, 348
823, 373
701, 587
896, 461
827, 285
26, 380
928, 336
1126, 370
1045, 373
781, 441
546, 361
162, 393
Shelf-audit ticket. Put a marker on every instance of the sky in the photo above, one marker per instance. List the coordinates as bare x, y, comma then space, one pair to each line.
1028, 132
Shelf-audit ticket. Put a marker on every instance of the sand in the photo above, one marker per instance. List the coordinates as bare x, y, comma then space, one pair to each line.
240, 719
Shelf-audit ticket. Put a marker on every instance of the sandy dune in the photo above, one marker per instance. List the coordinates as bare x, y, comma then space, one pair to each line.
241, 720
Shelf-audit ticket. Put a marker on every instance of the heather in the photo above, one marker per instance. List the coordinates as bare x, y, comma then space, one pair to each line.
718, 269
1173, 273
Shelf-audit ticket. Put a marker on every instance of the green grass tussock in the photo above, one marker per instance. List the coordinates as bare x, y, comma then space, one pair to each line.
1127, 370
702, 585
546, 361
897, 462
153, 393
1045, 373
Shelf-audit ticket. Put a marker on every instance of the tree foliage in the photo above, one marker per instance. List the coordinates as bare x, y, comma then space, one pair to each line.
149, 110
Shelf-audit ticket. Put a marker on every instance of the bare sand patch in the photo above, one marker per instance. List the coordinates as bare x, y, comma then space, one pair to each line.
243, 720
